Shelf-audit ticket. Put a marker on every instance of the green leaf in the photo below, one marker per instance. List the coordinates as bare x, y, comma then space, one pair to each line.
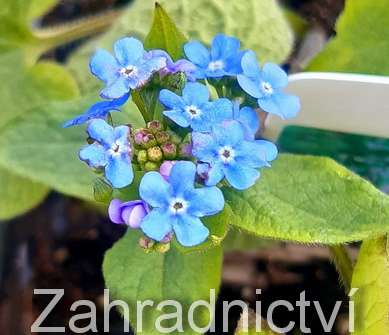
165, 35
39, 149
260, 25
360, 45
237, 239
310, 199
133, 275
251, 330
371, 278
29, 87
18, 195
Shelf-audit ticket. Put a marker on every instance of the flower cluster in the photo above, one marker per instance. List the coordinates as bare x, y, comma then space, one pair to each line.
193, 144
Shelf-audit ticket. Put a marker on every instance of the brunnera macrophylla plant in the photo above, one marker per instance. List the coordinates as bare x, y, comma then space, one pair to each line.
198, 167
194, 145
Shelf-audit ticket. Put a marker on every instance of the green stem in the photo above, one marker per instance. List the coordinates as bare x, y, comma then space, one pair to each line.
343, 264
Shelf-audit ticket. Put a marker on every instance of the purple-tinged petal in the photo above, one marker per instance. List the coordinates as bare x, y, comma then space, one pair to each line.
190, 230
134, 215
197, 53
166, 168
115, 211
119, 171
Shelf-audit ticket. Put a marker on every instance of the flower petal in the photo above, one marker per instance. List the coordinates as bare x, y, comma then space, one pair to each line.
197, 53
104, 66
224, 47
250, 86
250, 65
116, 89
195, 94
122, 133
94, 155
178, 117
229, 133
157, 224
219, 110
128, 51
119, 171
241, 177
249, 118
171, 100
204, 147
101, 131
155, 190
275, 75
182, 177
215, 174
115, 211
256, 154
284, 105
189, 230
205, 201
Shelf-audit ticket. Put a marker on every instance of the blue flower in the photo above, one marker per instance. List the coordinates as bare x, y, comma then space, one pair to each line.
266, 86
177, 205
194, 108
229, 155
129, 69
248, 118
181, 65
224, 58
98, 111
111, 151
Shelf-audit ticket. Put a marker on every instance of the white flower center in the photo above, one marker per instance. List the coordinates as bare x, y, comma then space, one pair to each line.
178, 205
193, 111
118, 148
267, 88
216, 65
128, 71
226, 154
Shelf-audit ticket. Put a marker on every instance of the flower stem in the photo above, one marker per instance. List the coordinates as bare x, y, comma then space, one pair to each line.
343, 264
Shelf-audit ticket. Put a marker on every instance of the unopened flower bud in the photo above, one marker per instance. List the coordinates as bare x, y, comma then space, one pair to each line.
139, 135
151, 166
155, 154
166, 168
185, 150
162, 247
169, 150
154, 126
146, 243
142, 156
174, 137
144, 138
130, 213
162, 137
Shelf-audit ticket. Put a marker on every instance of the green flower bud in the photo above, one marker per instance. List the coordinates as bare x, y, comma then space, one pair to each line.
162, 247
174, 137
151, 166
155, 154
142, 156
154, 126
169, 150
176, 81
162, 137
